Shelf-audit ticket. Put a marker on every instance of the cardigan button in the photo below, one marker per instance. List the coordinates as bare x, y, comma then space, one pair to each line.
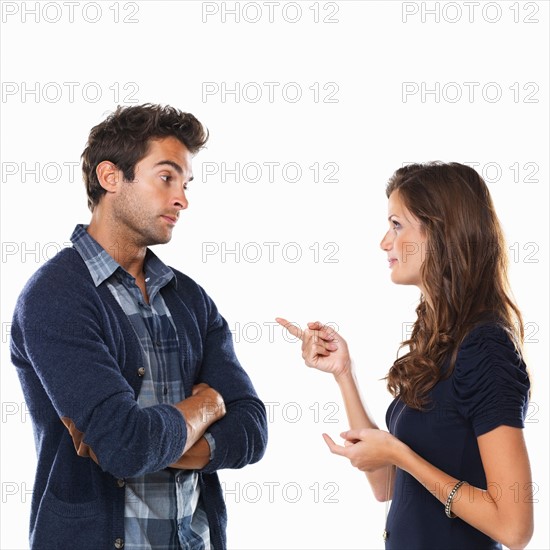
121, 482
141, 371
119, 543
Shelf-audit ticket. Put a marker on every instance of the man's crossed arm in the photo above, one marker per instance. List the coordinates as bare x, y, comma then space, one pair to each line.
204, 407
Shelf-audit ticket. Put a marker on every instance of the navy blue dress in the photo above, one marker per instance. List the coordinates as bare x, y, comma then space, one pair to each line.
488, 388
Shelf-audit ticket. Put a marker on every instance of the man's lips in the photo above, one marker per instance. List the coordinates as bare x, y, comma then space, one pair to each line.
170, 219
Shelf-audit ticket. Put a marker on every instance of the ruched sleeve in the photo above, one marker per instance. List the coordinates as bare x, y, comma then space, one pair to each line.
490, 381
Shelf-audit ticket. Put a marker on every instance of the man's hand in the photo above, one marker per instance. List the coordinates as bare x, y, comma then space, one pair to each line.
195, 458
200, 411
81, 448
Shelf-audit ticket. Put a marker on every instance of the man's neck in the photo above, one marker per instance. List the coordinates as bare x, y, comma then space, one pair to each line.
118, 245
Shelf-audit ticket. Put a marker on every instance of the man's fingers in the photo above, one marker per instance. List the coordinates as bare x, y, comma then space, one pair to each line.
293, 329
77, 436
199, 387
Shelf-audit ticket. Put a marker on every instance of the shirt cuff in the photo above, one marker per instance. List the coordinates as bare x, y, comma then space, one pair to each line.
211, 443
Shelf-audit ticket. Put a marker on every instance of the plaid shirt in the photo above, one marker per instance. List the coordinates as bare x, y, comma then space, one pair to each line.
163, 509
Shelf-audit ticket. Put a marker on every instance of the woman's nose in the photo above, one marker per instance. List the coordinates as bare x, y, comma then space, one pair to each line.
387, 241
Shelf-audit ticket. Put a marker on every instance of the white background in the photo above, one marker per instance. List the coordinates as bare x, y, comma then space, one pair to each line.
367, 59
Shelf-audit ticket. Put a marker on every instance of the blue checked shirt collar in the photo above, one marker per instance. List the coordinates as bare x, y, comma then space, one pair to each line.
102, 265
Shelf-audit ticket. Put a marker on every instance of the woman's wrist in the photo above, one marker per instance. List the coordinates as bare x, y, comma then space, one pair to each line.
346, 375
400, 453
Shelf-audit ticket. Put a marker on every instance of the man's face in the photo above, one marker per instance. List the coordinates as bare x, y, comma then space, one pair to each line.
147, 209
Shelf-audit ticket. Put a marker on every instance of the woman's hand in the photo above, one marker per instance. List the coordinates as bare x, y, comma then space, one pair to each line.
367, 449
322, 347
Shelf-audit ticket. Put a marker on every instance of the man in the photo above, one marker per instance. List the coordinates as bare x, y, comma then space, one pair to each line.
128, 369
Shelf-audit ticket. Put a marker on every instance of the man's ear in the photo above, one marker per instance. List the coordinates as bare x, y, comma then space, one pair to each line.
108, 175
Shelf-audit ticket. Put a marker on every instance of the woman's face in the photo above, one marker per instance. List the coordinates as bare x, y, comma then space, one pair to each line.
405, 243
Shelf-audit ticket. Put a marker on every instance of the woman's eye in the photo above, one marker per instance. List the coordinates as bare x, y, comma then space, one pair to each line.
396, 225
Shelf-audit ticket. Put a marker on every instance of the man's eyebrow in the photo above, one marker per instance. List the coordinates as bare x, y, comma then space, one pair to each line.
175, 166
171, 163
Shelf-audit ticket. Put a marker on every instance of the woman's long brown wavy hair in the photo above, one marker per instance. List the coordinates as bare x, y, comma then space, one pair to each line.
464, 273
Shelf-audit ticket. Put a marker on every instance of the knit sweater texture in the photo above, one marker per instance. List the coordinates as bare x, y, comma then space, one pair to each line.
77, 356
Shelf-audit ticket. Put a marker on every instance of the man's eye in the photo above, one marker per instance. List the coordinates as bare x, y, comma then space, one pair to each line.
166, 178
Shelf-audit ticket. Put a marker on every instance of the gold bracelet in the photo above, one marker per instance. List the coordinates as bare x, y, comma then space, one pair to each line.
449, 502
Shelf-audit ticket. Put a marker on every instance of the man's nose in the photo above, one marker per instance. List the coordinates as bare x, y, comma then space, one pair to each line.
180, 200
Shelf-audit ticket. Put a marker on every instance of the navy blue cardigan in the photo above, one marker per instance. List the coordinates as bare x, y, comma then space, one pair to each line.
77, 356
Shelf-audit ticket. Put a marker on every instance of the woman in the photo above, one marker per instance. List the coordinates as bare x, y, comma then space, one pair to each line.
454, 462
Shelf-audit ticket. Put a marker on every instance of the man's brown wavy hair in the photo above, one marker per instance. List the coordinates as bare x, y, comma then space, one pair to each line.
124, 138
464, 273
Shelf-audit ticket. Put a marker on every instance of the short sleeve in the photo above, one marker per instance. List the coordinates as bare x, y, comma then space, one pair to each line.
490, 381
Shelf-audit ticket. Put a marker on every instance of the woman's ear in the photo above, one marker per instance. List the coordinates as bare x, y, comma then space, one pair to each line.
108, 175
